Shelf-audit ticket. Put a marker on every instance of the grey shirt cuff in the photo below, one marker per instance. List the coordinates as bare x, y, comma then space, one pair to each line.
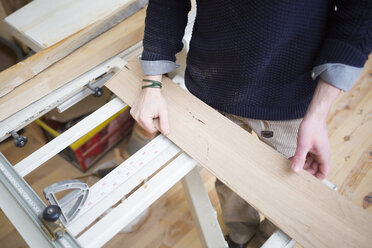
157, 67
340, 76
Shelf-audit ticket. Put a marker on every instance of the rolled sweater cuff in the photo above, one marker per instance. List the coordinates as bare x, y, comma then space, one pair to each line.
340, 76
157, 67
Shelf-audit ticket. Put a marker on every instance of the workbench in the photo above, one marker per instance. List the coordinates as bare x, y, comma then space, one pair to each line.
351, 167
141, 179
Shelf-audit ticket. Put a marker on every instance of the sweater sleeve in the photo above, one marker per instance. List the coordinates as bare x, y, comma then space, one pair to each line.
157, 67
165, 26
348, 39
340, 76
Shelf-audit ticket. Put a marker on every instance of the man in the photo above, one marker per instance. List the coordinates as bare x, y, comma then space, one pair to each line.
273, 67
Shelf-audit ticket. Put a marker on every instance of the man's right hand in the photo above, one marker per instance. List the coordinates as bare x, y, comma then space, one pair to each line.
150, 105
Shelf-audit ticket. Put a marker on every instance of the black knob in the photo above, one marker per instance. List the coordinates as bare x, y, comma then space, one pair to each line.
97, 92
52, 213
19, 140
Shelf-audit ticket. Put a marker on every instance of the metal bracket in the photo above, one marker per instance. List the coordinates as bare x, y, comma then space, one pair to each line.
73, 202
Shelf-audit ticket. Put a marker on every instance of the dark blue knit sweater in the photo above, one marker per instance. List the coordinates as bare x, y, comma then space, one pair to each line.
253, 58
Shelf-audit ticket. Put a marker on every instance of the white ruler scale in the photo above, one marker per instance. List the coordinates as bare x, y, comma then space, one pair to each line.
130, 167
121, 181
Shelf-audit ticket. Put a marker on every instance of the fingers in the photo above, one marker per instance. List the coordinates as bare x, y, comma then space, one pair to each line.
322, 157
149, 106
309, 160
147, 124
151, 123
317, 166
310, 165
164, 121
320, 175
313, 168
323, 169
299, 159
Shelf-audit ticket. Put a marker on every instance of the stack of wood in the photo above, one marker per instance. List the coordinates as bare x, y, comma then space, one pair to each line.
56, 65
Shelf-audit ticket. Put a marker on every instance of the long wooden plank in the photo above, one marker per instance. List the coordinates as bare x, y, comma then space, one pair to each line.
30, 67
299, 204
108, 44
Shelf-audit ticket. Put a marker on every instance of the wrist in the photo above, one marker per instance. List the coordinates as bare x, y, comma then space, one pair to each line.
324, 96
152, 77
317, 112
151, 92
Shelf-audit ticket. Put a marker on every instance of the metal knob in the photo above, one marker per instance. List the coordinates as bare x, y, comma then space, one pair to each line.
97, 91
19, 140
51, 224
52, 213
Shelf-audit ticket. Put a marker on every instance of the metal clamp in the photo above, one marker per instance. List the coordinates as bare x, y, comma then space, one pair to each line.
52, 226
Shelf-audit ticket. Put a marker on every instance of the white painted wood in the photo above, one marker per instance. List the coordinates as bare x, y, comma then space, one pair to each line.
124, 213
57, 97
279, 240
43, 23
202, 211
71, 135
125, 177
21, 220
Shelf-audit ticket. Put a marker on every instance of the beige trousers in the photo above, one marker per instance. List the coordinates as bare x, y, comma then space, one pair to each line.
241, 218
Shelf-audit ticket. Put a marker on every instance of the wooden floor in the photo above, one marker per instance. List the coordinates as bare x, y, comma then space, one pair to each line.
169, 222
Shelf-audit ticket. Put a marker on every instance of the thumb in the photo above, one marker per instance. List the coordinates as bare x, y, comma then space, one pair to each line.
164, 121
299, 159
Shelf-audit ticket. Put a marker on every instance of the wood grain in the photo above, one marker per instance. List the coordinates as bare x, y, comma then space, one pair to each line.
299, 204
108, 44
350, 134
347, 102
30, 67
